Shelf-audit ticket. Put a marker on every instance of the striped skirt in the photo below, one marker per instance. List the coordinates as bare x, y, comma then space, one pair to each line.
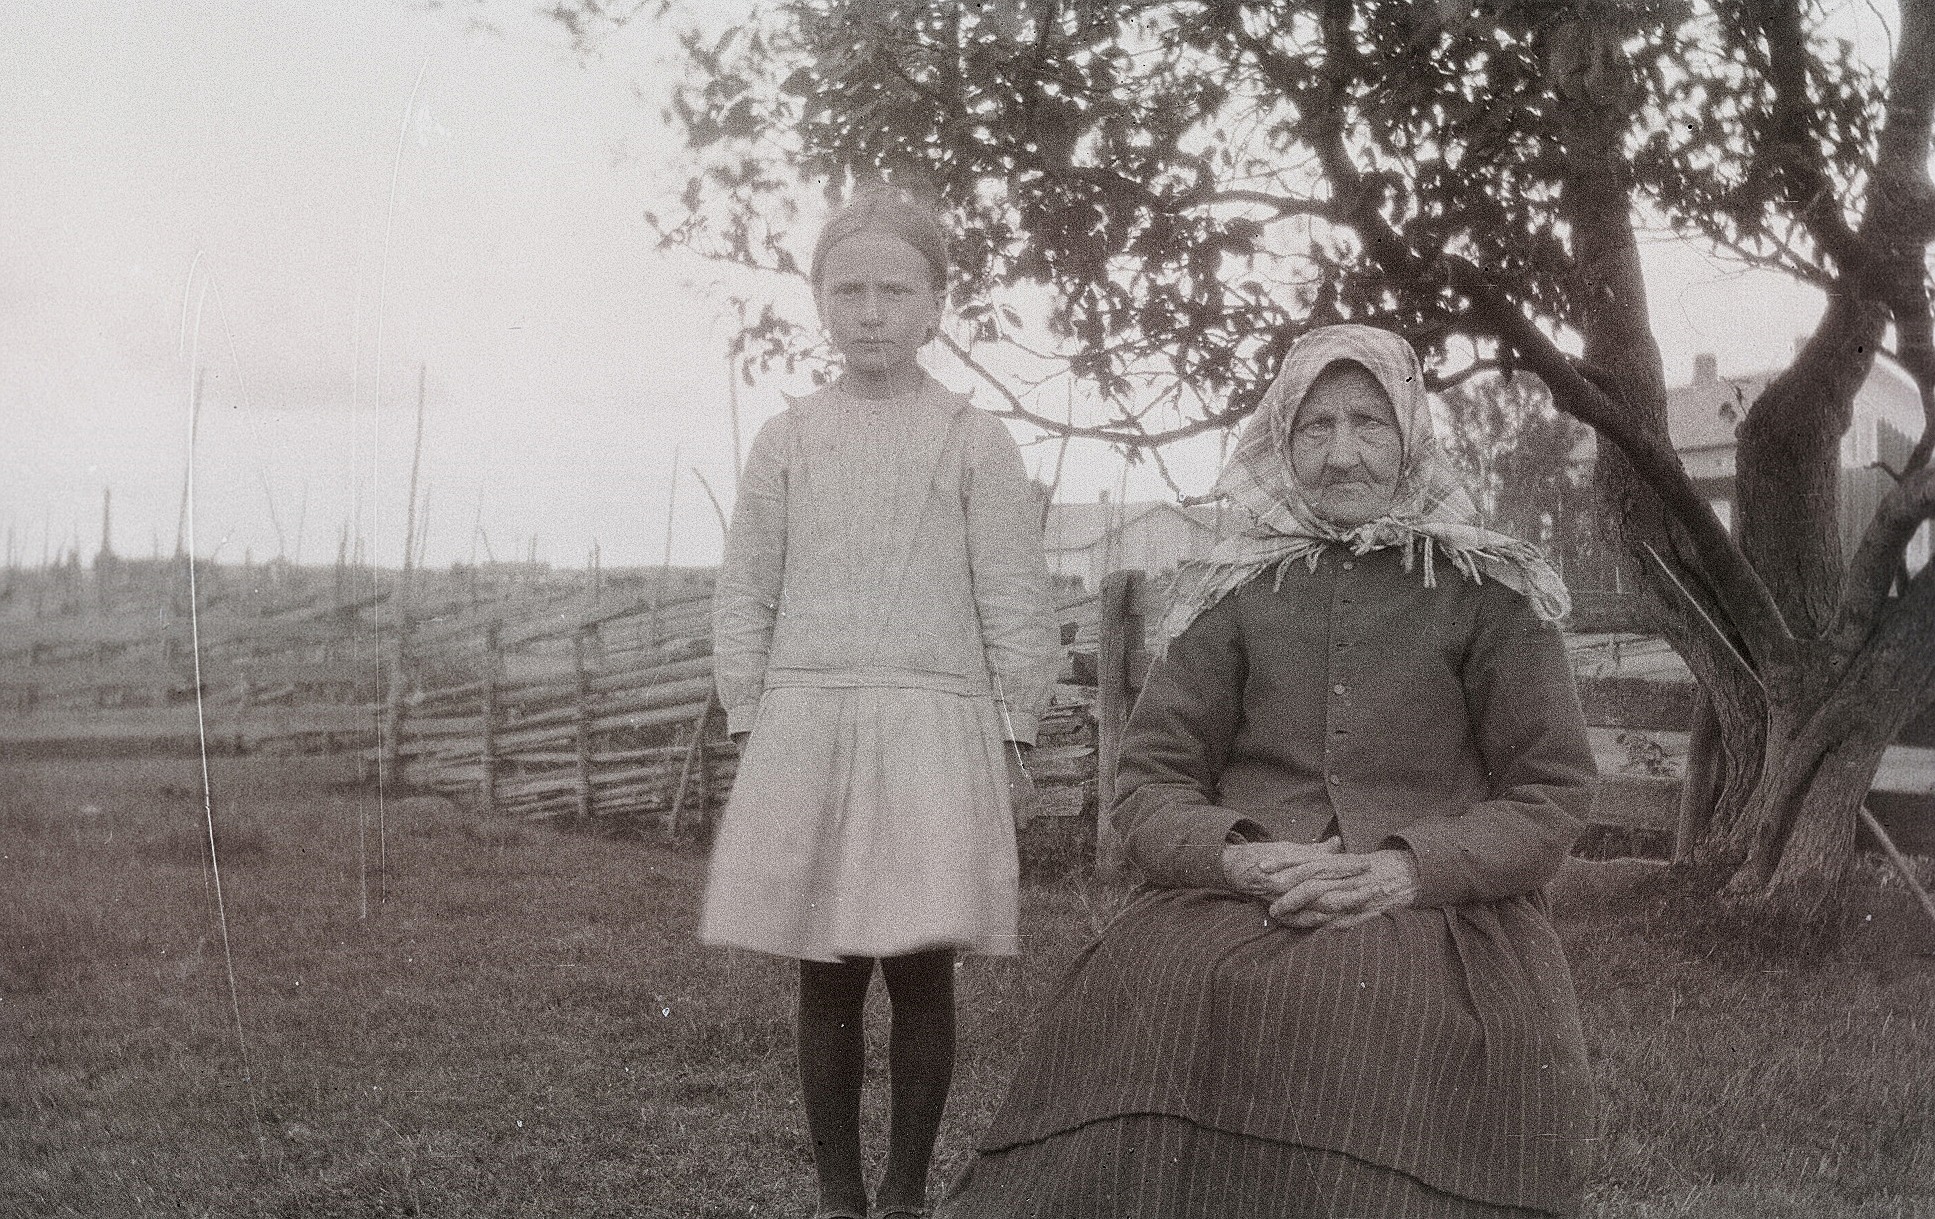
1153, 1166
1426, 1061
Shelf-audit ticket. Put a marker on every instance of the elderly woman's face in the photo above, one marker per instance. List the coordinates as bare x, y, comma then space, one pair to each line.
1345, 448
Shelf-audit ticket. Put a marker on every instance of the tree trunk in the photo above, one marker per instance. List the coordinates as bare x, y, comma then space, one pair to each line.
1706, 767
1788, 467
1820, 845
1793, 839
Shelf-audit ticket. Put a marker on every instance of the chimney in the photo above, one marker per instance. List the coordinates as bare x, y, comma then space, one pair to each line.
107, 524
1706, 369
1102, 496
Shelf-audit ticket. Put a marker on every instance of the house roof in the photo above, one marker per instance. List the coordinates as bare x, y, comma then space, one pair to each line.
1705, 414
1080, 526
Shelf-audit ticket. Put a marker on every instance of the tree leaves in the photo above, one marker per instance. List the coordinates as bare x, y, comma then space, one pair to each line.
1124, 154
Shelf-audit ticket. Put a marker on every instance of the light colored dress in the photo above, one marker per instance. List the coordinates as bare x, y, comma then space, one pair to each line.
883, 624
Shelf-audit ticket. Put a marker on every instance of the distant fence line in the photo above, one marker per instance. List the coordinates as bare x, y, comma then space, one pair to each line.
574, 703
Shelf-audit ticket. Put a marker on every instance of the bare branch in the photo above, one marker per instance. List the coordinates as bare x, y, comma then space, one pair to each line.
1440, 382
1285, 206
1128, 431
1162, 468
717, 509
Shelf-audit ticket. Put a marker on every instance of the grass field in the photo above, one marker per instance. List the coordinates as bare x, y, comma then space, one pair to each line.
523, 1026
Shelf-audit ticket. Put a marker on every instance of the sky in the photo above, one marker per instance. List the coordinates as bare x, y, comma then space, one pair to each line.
311, 201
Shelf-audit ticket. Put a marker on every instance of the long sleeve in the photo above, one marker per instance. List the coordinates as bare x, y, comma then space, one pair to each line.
745, 603
1178, 739
1008, 569
1525, 716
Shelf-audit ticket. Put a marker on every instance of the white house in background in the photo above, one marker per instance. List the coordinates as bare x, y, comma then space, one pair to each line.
1087, 541
1701, 419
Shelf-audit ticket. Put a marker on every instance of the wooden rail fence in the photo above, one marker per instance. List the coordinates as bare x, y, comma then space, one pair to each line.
556, 723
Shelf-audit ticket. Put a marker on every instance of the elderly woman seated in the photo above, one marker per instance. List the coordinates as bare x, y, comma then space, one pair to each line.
1362, 757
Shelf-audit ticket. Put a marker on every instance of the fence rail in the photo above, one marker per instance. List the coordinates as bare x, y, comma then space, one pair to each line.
564, 703
611, 714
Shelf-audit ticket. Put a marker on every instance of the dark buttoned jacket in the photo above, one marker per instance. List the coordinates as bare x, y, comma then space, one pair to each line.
1353, 699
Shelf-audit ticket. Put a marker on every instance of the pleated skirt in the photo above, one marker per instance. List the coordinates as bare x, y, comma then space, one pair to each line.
866, 822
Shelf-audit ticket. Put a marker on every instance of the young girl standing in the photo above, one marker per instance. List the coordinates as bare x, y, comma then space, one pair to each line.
884, 630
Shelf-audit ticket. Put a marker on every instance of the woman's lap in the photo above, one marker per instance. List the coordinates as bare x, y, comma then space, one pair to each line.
1427, 1041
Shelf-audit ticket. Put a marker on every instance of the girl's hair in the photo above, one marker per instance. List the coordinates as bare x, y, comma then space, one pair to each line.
880, 208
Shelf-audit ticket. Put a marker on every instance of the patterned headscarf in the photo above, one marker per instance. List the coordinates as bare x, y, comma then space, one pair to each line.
1429, 514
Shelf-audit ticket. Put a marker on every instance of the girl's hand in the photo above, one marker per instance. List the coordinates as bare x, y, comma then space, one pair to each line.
1254, 867
1345, 890
1023, 799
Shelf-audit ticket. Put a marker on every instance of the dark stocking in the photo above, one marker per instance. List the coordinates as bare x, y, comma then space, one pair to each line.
832, 1060
921, 1057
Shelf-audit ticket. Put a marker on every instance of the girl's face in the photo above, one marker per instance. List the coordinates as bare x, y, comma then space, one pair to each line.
1344, 447
878, 301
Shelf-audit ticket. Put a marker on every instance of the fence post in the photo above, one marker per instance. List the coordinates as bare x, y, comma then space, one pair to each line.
242, 702
390, 748
1120, 612
694, 755
703, 779
493, 671
582, 729
388, 723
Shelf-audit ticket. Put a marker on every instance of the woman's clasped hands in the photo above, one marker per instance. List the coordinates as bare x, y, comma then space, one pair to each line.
1321, 885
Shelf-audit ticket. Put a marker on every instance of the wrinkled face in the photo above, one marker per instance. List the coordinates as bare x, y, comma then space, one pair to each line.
878, 302
1345, 448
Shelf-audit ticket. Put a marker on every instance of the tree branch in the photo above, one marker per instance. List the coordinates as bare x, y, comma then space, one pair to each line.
1924, 378
1878, 558
1794, 148
1741, 591
1738, 586
1905, 206
1902, 222
1285, 206
1901, 150
1892, 672
1438, 383
1129, 432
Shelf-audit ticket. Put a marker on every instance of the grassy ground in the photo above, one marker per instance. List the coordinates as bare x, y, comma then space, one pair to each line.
524, 1027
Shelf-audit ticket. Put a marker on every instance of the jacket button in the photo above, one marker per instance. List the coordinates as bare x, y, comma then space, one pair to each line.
1336, 689
1334, 780
1348, 565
